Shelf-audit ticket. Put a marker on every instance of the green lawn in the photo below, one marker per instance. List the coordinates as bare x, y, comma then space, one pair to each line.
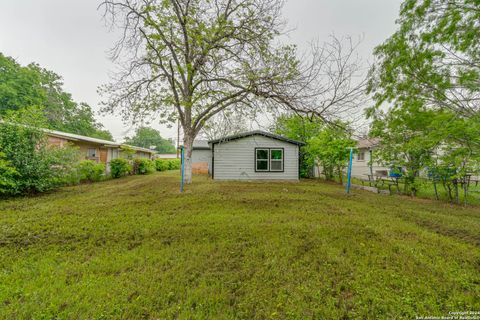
135, 248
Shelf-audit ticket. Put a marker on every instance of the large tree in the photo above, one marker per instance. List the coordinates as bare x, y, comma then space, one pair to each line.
148, 137
189, 60
433, 58
426, 87
26, 86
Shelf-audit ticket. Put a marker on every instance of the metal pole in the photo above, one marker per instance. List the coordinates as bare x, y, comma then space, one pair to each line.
350, 170
183, 168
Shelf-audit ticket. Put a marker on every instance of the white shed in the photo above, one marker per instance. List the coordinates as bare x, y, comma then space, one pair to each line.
255, 155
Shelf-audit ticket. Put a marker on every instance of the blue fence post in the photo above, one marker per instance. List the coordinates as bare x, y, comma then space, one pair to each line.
183, 167
350, 170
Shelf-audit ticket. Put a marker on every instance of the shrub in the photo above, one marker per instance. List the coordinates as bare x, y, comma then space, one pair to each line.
89, 170
8, 175
174, 164
161, 165
120, 167
38, 167
143, 166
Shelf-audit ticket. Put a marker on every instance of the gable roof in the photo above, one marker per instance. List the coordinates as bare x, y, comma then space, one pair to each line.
256, 133
368, 143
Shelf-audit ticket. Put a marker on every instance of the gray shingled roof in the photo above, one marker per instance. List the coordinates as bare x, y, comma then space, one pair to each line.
256, 133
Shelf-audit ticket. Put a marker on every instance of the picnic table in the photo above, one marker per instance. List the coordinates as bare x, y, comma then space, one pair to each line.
380, 180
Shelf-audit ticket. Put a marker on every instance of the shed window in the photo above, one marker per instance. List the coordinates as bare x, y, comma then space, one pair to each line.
261, 159
276, 159
92, 153
268, 160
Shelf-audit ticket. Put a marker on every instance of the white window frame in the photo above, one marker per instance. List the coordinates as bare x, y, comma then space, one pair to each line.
88, 153
276, 160
266, 160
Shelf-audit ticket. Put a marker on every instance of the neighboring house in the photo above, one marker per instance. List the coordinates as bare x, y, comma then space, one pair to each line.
98, 150
201, 157
255, 155
362, 166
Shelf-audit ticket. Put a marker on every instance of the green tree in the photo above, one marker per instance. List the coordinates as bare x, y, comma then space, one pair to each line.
198, 58
148, 137
428, 78
301, 129
330, 148
407, 140
25, 86
434, 57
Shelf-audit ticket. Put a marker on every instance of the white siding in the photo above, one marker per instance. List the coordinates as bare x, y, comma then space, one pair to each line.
235, 159
200, 156
361, 168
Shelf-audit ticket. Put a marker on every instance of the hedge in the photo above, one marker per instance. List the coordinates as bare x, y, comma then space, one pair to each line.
143, 166
167, 164
90, 171
120, 167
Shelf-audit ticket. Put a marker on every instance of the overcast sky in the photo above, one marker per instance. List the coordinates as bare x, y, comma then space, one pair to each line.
70, 38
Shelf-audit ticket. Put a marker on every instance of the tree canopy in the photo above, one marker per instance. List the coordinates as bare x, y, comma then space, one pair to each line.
27, 86
426, 88
148, 137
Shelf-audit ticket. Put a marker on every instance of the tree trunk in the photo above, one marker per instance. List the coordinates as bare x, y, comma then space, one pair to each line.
188, 145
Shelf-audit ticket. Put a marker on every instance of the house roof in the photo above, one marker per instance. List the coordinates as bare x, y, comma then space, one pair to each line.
77, 137
367, 143
256, 133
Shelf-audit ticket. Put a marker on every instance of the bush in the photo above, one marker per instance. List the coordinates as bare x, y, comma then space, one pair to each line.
143, 166
161, 165
120, 167
174, 164
89, 170
8, 176
164, 165
38, 167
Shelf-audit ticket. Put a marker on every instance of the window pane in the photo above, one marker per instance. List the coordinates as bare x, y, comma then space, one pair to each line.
277, 154
262, 154
262, 165
276, 165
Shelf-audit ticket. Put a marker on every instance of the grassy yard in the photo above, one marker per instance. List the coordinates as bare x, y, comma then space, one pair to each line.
135, 248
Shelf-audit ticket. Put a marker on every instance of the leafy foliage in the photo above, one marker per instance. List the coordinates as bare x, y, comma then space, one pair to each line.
170, 164
148, 137
161, 165
143, 166
433, 58
428, 73
8, 175
174, 164
301, 129
38, 167
91, 171
26, 86
330, 148
120, 167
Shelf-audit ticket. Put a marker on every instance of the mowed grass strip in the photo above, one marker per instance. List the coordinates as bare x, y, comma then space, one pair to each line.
135, 248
